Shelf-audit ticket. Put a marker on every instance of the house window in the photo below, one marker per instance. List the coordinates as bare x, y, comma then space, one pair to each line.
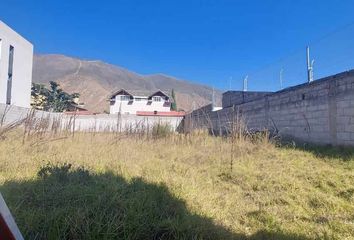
10, 71
138, 99
156, 99
125, 98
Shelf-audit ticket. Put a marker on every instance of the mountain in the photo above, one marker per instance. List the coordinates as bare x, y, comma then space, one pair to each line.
95, 80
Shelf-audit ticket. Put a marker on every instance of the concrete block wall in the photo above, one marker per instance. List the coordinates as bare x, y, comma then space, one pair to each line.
200, 118
231, 98
321, 112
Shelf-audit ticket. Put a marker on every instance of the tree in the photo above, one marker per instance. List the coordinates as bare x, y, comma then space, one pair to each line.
174, 102
53, 99
39, 94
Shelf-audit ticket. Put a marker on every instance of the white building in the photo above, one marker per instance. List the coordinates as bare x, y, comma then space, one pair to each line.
133, 102
16, 57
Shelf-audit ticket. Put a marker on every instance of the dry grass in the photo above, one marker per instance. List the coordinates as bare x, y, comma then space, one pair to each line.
93, 186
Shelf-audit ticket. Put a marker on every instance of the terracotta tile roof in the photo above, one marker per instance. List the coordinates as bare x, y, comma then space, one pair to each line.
161, 114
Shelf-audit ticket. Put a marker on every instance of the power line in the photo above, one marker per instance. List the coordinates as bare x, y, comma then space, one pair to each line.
297, 50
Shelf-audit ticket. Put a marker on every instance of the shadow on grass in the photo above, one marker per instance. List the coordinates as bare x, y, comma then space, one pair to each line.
67, 203
334, 152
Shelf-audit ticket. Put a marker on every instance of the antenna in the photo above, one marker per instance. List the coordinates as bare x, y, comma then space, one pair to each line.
230, 80
309, 65
312, 62
245, 83
281, 78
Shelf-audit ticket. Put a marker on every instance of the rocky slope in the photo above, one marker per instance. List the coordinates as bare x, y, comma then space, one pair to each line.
95, 80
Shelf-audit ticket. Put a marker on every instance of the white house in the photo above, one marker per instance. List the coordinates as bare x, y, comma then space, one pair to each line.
16, 57
133, 102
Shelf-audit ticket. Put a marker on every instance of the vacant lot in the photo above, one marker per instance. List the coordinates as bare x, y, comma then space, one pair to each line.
176, 187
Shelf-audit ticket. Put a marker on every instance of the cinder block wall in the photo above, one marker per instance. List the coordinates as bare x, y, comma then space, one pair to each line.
321, 112
230, 98
200, 118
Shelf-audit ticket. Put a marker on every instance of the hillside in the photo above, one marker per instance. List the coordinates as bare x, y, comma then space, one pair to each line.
95, 80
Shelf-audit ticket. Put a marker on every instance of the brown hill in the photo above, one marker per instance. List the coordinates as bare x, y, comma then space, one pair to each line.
95, 80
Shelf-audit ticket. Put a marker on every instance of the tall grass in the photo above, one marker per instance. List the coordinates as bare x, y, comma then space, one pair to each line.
131, 185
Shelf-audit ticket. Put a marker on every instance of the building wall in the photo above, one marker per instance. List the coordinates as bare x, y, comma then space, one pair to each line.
321, 112
131, 107
22, 67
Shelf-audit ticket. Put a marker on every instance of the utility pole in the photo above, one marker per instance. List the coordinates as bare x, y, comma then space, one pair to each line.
245, 83
309, 65
193, 106
213, 99
281, 78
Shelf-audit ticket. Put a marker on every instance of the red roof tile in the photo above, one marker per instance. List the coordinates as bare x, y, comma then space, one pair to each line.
161, 114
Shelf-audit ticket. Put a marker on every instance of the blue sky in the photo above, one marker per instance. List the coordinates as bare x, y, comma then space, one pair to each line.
202, 41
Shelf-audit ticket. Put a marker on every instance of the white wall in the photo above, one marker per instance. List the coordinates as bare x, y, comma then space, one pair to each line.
91, 123
131, 107
110, 122
22, 67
